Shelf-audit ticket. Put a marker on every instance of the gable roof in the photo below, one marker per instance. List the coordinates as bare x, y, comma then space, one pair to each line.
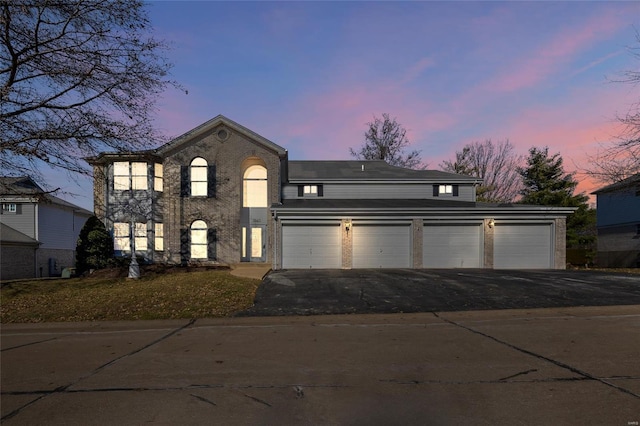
623, 184
24, 188
18, 185
211, 125
367, 170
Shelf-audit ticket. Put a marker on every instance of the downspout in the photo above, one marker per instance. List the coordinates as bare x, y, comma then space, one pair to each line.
35, 233
274, 262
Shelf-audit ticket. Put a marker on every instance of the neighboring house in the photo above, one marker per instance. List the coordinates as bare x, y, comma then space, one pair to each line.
618, 213
39, 230
224, 194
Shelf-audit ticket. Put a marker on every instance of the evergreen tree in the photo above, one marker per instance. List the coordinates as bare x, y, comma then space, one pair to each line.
546, 184
94, 249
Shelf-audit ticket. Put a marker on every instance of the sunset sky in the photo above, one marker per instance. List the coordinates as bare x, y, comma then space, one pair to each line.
310, 75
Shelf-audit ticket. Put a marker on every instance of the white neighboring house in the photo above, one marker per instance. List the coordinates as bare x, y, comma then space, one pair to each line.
39, 231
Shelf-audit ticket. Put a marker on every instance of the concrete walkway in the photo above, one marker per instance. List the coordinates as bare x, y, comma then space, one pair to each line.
257, 271
560, 366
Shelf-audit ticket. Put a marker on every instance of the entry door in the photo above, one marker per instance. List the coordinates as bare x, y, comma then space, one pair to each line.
254, 243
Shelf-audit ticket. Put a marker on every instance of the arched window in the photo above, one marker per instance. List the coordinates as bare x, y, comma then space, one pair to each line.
199, 177
255, 187
198, 240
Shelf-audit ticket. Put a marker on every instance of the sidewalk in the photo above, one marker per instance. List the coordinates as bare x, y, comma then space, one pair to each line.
559, 366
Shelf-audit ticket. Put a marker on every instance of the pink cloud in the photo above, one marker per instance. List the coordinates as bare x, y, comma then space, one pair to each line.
533, 67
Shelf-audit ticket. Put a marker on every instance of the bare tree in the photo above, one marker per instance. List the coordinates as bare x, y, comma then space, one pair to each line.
386, 139
620, 158
497, 164
76, 78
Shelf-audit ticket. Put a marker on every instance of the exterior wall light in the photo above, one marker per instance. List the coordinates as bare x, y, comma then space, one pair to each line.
492, 223
347, 226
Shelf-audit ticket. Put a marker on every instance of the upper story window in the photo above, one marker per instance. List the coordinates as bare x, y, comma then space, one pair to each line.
255, 187
129, 175
445, 190
310, 191
199, 177
158, 175
9, 208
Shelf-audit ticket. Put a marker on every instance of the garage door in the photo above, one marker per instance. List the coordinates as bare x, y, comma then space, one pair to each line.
382, 246
522, 246
311, 246
452, 246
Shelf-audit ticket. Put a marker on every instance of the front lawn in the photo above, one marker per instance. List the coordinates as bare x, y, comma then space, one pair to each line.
104, 297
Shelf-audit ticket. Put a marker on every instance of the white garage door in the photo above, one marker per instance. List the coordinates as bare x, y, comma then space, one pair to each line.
311, 246
522, 246
452, 246
381, 246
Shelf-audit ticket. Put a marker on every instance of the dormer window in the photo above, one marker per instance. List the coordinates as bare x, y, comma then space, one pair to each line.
310, 191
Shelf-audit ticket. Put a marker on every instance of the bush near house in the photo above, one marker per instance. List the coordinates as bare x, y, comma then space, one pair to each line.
107, 295
94, 249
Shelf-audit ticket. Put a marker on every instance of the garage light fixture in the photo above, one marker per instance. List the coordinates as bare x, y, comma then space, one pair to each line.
492, 223
347, 226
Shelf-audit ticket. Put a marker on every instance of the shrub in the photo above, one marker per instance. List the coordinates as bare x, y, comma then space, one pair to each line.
95, 246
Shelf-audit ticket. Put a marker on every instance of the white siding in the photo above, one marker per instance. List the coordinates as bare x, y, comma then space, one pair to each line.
58, 229
382, 191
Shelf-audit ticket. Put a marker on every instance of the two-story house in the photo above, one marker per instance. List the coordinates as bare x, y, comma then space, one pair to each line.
222, 193
39, 230
618, 223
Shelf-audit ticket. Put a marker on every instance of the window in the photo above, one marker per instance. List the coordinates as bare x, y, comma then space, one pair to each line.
121, 241
139, 176
129, 176
122, 236
158, 242
158, 177
9, 208
310, 191
255, 187
141, 236
445, 189
199, 177
120, 176
198, 240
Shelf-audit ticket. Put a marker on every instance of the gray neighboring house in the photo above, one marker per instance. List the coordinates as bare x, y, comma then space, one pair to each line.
39, 231
222, 194
618, 223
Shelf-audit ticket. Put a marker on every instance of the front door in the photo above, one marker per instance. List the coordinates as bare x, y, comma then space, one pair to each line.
254, 243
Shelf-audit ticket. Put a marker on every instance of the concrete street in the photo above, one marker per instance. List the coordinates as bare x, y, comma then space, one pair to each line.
556, 366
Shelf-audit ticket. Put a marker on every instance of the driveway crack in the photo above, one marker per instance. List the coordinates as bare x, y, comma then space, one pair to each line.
542, 357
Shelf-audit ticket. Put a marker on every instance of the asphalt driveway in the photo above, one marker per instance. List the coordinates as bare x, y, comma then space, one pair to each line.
316, 292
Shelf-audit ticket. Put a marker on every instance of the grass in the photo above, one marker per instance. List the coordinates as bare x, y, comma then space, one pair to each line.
105, 297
